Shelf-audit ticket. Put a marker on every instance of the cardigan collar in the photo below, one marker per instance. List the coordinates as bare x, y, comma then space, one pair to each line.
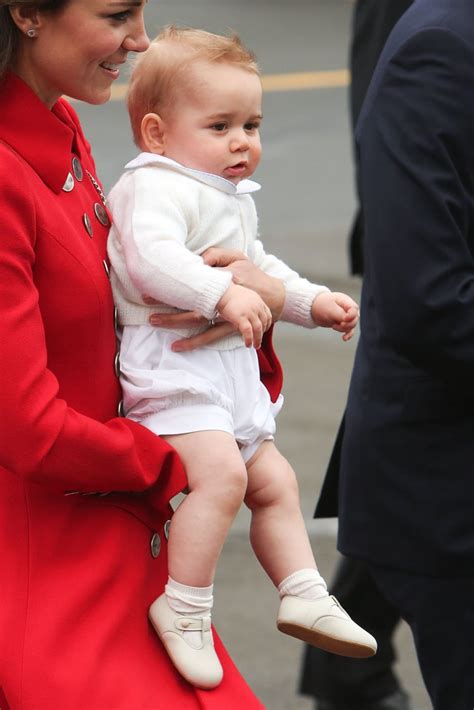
242, 188
44, 138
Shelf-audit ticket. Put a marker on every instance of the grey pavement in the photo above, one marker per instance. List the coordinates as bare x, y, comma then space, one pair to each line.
305, 208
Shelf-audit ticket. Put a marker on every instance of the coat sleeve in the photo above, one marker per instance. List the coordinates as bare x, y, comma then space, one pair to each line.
42, 438
416, 141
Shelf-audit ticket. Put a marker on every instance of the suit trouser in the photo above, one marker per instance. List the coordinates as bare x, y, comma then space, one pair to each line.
354, 681
440, 612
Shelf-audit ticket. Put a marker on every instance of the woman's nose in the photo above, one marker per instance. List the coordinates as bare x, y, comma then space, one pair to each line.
137, 40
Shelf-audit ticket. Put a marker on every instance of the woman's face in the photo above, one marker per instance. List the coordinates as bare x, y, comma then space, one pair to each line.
79, 51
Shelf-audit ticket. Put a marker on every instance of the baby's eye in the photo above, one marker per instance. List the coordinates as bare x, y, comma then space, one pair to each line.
219, 126
253, 126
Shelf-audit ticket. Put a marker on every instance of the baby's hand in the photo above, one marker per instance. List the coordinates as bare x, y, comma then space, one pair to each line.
337, 311
247, 312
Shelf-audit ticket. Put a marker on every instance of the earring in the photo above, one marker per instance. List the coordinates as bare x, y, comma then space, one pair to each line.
31, 33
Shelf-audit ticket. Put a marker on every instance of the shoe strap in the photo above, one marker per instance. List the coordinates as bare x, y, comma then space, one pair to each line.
338, 605
190, 623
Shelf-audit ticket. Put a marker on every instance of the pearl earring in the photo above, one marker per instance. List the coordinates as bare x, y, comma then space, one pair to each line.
31, 33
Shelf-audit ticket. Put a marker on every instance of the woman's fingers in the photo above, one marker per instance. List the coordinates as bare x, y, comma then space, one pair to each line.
215, 256
211, 335
186, 319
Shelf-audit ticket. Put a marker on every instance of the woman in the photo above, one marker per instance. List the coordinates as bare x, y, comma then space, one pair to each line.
79, 565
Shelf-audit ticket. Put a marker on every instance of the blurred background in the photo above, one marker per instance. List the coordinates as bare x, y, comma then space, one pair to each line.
305, 208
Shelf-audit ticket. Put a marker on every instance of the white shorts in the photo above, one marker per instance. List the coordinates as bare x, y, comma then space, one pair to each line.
205, 389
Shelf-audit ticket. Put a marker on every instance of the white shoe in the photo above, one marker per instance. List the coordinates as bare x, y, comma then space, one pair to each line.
198, 664
324, 623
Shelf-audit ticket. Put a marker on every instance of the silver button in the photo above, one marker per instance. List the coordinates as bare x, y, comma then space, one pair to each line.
116, 318
106, 267
69, 183
77, 169
155, 545
166, 529
87, 224
121, 409
101, 214
117, 364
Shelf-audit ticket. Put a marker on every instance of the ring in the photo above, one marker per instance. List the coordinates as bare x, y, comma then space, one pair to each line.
213, 320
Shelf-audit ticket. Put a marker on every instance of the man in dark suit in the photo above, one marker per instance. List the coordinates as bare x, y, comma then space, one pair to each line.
335, 682
372, 22
406, 474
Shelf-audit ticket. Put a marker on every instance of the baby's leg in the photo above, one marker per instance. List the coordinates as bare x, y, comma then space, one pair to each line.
280, 541
277, 532
217, 480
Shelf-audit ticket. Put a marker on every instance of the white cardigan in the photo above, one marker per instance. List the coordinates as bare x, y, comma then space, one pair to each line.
164, 216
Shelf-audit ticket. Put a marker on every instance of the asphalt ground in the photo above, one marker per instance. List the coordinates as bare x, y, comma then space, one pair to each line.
305, 208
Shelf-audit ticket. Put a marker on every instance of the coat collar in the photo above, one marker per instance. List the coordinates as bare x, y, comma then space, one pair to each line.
243, 187
44, 138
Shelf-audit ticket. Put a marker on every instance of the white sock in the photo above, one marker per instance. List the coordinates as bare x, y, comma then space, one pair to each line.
304, 583
189, 601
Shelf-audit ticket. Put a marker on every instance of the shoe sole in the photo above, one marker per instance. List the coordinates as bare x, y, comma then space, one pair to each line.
325, 643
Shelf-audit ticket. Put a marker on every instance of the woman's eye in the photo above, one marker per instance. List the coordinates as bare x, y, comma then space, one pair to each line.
120, 16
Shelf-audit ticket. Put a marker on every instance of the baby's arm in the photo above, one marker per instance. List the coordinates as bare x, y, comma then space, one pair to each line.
148, 253
337, 311
306, 303
246, 273
246, 310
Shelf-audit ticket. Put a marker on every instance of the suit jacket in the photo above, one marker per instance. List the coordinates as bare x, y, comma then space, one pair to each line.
78, 570
406, 488
372, 22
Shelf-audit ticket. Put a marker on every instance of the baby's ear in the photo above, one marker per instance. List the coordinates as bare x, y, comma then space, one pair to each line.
153, 133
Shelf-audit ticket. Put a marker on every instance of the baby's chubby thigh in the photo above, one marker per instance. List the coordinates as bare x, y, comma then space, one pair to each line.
215, 469
188, 399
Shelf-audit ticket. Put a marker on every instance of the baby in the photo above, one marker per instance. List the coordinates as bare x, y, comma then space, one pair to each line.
195, 107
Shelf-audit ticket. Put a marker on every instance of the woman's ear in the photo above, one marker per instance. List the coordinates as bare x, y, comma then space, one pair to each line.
26, 18
153, 133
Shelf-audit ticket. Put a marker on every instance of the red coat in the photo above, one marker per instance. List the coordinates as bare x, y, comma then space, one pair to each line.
76, 571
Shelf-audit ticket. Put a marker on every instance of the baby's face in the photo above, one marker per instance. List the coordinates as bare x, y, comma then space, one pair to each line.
214, 125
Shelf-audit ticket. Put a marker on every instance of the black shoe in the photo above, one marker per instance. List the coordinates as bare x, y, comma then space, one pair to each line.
396, 701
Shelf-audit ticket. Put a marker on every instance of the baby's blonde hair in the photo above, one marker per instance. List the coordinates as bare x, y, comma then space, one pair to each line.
160, 72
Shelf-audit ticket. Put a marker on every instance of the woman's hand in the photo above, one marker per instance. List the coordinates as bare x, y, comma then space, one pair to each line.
190, 319
245, 273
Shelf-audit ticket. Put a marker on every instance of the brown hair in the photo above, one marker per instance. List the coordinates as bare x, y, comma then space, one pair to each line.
9, 32
159, 72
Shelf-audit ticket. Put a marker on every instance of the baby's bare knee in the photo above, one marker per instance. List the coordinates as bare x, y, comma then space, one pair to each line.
229, 485
278, 488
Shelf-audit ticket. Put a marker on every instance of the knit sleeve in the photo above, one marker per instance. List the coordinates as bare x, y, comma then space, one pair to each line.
300, 293
152, 220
